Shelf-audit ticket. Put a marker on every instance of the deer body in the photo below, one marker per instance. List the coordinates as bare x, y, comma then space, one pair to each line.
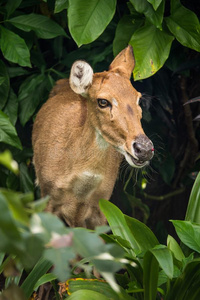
81, 135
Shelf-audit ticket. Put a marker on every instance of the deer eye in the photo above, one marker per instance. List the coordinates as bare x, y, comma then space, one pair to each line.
103, 103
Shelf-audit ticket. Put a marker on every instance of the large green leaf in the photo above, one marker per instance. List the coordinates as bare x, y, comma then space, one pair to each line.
164, 258
89, 18
118, 224
44, 27
4, 84
7, 161
11, 6
87, 294
184, 24
60, 258
125, 29
28, 98
155, 3
188, 233
142, 234
155, 17
187, 283
193, 209
150, 276
39, 270
60, 5
99, 286
8, 133
11, 108
14, 48
151, 49
175, 248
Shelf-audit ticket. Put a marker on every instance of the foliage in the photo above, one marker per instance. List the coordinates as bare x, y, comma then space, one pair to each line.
38, 43
150, 270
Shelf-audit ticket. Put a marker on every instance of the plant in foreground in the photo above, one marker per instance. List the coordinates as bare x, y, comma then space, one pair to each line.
131, 261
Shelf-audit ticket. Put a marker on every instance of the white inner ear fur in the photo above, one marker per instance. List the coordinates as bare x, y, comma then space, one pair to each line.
81, 76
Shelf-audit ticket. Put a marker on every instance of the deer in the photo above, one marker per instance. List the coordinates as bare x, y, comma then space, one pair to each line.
90, 122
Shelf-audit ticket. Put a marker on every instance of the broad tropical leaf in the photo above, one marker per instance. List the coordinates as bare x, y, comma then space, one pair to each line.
89, 18
151, 49
14, 48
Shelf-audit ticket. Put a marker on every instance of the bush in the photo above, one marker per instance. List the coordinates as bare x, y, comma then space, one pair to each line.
38, 42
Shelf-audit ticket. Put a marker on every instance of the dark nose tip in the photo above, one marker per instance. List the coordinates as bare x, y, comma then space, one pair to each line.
143, 148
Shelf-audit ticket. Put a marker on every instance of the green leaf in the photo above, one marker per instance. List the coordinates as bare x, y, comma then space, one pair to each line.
11, 108
16, 206
150, 276
8, 133
155, 17
175, 248
142, 234
184, 24
87, 294
89, 18
39, 270
11, 6
60, 258
60, 5
7, 161
26, 182
125, 29
14, 48
188, 233
155, 3
186, 283
28, 99
44, 279
99, 286
193, 211
4, 84
118, 224
151, 49
44, 27
165, 259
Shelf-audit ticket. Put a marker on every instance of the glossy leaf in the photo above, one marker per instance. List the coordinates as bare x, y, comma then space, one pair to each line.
150, 276
28, 98
14, 48
44, 279
39, 270
142, 234
155, 3
87, 294
60, 5
118, 224
125, 29
155, 17
98, 285
26, 182
89, 18
175, 248
188, 233
151, 49
11, 108
8, 133
164, 257
44, 27
193, 209
11, 6
7, 161
4, 84
184, 25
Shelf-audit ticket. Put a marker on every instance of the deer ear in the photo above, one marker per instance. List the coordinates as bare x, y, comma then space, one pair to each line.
124, 62
81, 76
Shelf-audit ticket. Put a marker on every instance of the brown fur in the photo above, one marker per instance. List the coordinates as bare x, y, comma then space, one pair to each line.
76, 143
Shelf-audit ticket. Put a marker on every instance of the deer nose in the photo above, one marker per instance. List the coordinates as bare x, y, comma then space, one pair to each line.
143, 148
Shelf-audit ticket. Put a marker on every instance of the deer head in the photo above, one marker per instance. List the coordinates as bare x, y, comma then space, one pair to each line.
113, 107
